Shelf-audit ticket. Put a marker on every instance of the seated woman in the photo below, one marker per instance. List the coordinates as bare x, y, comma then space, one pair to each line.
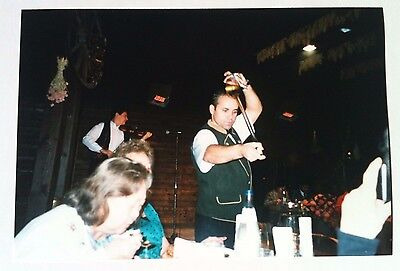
149, 223
92, 222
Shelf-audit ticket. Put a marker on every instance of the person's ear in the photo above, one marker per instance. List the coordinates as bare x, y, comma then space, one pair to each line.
211, 108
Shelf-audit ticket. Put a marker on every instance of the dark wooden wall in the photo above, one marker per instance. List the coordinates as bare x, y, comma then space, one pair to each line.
167, 152
30, 120
171, 149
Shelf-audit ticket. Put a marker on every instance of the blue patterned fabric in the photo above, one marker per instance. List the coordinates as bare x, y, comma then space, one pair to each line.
100, 243
151, 228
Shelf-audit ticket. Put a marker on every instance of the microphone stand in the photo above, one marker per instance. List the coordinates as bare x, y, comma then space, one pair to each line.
174, 234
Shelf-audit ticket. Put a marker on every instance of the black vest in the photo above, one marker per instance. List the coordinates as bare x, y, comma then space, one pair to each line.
220, 190
104, 142
105, 136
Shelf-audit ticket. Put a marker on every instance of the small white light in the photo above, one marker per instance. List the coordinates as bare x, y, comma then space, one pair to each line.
309, 48
345, 30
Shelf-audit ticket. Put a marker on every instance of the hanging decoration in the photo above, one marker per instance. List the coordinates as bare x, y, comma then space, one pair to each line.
306, 34
58, 86
87, 47
335, 54
362, 68
309, 62
309, 34
347, 48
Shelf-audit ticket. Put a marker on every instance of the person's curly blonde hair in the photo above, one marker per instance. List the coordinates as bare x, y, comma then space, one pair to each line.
135, 146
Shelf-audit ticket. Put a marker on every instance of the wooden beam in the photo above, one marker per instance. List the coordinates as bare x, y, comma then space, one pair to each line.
47, 160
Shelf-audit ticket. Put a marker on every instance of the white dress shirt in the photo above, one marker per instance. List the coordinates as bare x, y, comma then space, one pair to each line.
116, 137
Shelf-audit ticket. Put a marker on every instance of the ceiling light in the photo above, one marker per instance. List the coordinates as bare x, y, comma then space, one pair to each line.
345, 30
309, 48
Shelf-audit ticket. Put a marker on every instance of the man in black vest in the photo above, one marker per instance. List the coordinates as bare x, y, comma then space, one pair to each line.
105, 137
222, 161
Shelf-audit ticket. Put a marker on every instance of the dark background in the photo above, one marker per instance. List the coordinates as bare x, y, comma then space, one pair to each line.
340, 122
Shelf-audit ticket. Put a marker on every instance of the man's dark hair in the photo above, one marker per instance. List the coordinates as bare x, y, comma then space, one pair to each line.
118, 109
220, 93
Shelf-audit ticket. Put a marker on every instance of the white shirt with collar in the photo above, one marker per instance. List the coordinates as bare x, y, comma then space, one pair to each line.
116, 137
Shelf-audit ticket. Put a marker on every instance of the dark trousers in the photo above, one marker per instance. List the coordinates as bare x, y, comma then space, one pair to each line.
94, 161
206, 226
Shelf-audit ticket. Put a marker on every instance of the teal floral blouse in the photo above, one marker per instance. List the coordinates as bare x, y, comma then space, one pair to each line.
152, 230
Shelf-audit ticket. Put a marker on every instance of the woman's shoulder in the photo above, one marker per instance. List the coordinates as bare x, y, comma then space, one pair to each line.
59, 217
150, 211
60, 213
53, 232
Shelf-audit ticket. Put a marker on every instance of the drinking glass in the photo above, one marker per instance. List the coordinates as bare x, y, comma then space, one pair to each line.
267, 243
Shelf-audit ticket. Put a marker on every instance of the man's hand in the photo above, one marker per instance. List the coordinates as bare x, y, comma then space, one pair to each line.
106, 152
362, 213
219, 154
253, 151
253, 103
146, 136
235, 79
